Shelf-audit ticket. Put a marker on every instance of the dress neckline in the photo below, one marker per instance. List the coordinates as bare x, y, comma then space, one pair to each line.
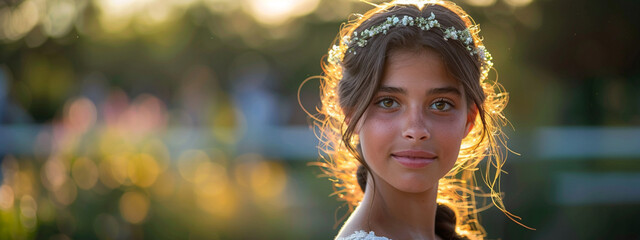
362, 235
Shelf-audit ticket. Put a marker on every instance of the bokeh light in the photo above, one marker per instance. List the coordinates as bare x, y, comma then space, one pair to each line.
142, 170
275, 12
66, 193
116, 15
268, 179
28, 208
80, 115
518, 3
481, 3
188, 164
106, 174
6, 197
54, 174
60, 15
134, 206
164, 186
119, 168
17, 22
85, 173
213, 191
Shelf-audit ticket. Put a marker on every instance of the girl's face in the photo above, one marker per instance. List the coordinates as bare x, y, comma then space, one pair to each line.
411, 133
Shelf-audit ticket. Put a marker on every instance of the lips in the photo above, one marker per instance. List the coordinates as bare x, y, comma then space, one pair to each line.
414, 158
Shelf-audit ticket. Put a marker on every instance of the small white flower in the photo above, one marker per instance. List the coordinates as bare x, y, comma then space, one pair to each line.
425, 24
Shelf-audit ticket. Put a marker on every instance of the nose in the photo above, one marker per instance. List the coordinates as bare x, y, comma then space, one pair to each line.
416, 126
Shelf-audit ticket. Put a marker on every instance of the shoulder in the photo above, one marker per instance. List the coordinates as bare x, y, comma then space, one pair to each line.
362, 235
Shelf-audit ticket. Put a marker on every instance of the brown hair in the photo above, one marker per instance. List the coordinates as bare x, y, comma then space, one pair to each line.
348, 87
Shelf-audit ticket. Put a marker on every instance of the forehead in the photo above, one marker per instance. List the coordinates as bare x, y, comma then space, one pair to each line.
423, 67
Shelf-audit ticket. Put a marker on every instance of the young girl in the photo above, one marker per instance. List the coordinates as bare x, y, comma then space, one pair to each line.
407, 114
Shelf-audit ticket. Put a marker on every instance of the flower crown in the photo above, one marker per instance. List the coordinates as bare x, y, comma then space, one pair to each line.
361, 39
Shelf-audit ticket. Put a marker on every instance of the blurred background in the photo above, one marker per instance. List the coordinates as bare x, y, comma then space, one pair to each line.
179, 119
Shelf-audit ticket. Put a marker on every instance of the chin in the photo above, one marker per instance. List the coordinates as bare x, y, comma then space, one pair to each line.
415, 185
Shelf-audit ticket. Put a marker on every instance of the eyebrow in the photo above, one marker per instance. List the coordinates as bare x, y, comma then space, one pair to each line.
389, 89
445, 90
442, 90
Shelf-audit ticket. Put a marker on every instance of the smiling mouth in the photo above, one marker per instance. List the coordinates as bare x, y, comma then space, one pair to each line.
414, 159
414, 154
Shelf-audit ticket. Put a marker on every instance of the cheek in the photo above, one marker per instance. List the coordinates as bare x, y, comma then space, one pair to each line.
376, 134
449, 135
454, 125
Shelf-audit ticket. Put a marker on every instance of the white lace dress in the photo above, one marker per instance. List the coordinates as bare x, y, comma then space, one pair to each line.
362, 235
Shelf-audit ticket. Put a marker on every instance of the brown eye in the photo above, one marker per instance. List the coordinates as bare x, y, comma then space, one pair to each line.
387, 103
441, 105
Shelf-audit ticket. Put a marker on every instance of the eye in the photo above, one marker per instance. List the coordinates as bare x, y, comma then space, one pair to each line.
441, 105
387, 103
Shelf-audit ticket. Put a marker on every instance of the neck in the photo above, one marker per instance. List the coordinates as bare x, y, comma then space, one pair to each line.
400, 214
